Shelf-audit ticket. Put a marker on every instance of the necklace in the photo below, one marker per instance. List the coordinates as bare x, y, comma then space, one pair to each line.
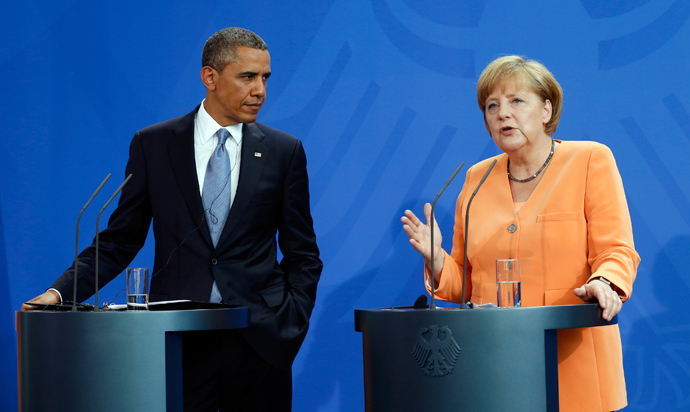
534, 176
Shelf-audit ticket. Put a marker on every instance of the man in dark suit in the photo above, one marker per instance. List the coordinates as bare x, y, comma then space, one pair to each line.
205, 252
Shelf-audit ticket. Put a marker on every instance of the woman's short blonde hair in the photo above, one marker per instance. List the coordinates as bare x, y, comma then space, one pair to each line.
529, 73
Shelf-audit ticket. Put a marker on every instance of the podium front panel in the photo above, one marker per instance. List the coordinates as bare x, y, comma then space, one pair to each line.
474, 359
108, 361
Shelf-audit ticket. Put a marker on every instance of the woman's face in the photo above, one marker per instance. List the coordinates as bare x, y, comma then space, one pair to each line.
516, 116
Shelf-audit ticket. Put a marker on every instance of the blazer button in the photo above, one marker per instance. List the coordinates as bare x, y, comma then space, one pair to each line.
214, 261
512, 228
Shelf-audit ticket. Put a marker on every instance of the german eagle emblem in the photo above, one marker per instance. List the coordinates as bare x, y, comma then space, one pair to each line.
436, 351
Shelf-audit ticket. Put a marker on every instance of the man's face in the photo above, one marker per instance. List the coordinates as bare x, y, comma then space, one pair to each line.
236, 94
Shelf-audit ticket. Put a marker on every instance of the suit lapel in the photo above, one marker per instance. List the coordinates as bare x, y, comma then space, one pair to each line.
251, 169
183, 164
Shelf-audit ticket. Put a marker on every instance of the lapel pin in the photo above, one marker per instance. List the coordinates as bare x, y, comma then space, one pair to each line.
257, 154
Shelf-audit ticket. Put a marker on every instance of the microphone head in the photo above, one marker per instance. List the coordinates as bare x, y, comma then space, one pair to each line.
421, 302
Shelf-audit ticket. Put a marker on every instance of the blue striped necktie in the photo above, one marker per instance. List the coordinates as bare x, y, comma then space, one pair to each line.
216, 195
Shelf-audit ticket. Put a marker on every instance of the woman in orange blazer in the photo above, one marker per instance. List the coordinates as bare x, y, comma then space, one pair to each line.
557, 206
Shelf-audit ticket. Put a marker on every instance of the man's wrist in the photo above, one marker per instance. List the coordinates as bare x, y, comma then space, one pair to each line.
56, 293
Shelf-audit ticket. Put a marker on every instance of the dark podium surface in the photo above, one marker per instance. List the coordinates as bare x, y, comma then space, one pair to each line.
109, 361
466, 360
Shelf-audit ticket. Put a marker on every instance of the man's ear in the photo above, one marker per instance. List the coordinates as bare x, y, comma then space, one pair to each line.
208, 77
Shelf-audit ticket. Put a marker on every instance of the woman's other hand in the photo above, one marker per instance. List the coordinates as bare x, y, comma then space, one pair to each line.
598, 291
420, 238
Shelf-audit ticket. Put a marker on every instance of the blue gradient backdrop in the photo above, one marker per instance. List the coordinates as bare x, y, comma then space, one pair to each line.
382, 92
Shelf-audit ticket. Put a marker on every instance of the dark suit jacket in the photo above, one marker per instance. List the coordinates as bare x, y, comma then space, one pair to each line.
272, 197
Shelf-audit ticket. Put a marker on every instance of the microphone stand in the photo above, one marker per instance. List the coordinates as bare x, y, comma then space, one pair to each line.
76, 244
467, 222
432, 305
96, 307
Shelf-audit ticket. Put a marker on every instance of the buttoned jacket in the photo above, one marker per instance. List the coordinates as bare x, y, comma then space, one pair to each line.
574, 226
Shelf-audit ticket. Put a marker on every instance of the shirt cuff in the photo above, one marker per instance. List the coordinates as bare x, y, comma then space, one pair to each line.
58, 292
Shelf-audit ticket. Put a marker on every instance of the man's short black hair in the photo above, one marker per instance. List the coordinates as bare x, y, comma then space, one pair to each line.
221, 48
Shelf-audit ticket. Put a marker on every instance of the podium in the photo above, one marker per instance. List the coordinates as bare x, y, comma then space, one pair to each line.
494, 359
109, 361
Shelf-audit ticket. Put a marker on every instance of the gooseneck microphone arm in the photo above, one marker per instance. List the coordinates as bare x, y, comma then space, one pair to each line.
96, 307
431, 225
76, 244
467, 222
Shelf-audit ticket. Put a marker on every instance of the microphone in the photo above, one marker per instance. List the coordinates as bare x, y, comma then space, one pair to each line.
76, 247
467, 222
96, 307
420, 303
431, 224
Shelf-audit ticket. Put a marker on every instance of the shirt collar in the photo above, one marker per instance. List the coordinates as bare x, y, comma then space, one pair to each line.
208, 126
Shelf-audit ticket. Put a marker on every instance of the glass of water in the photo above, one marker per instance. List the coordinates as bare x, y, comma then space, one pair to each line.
137, 288
508, 283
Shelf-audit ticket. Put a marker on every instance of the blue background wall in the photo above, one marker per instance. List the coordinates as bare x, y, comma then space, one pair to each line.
382, 92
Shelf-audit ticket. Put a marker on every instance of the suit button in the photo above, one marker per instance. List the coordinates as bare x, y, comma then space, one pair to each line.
512, 228
214, 261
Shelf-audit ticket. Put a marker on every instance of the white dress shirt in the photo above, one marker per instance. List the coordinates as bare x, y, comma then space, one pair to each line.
205, 142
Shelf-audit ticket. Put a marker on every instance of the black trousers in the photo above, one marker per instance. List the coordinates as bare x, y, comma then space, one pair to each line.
221, 372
